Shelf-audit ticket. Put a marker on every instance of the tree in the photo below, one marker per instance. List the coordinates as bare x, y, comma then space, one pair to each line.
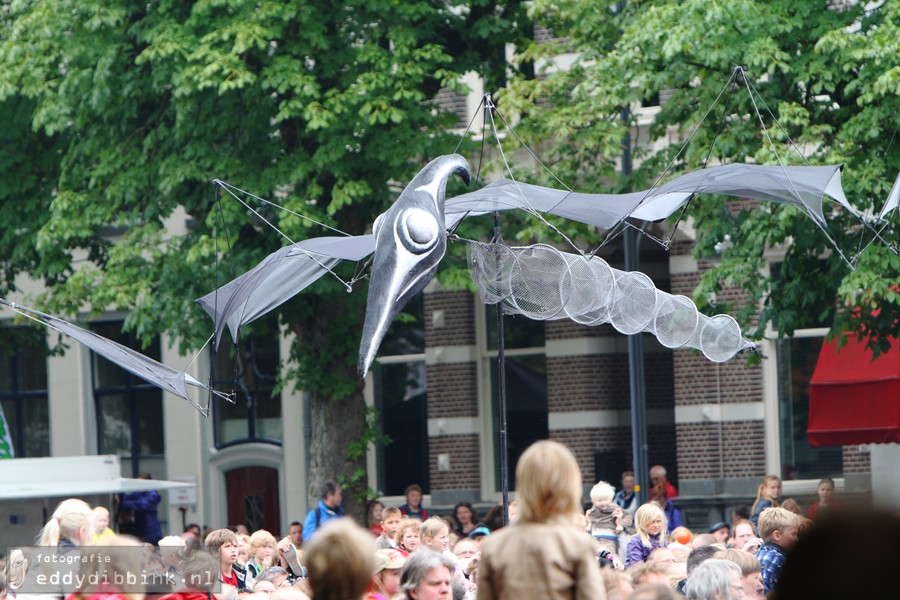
115, 114
827, 73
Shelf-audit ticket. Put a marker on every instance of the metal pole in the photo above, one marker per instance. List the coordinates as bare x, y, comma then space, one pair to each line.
635, 347
501, 363
501, 394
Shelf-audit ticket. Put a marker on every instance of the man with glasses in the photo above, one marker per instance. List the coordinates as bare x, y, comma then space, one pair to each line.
715, 579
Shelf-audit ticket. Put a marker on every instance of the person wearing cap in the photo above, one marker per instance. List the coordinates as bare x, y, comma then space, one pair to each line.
478, 534
720, 531
386, 580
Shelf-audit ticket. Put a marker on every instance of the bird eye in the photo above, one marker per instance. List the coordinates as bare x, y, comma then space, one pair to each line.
418, 230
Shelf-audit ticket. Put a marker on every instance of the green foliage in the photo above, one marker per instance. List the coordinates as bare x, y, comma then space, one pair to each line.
828, 76
116, 115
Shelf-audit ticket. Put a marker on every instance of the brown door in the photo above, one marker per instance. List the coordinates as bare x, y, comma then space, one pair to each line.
253, 498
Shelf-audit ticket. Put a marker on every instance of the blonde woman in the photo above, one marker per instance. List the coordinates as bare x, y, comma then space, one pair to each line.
72, 524
515, 560
651, 526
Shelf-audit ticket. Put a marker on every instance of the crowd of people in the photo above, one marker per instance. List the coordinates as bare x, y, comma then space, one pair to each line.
552, 548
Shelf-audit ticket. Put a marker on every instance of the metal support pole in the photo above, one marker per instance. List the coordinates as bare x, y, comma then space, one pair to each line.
501, 360
635, 347
501, 395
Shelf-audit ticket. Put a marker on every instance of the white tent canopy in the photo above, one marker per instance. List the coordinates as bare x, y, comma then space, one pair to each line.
71, 476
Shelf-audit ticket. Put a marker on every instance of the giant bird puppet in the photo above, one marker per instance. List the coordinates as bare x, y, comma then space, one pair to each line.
410, 239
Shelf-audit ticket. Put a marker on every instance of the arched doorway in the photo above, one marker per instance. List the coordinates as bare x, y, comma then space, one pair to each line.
252, 494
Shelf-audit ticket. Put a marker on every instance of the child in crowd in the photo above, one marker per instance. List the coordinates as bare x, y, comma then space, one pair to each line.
516, 560
604, 519
767, 495
386, 581
102, 531
408, 535
434, 534
650, 523
262, 549
825, 492
792, 505
778, 529
222, 544
390, 521
413, 507
375, 515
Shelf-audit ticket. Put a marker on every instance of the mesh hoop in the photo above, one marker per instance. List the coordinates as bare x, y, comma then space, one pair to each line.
491, 267
634, 302
537, 289
543, 283
676, 320
590, 289
720, 338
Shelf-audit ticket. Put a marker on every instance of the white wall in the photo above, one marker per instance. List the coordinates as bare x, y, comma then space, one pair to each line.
885, 475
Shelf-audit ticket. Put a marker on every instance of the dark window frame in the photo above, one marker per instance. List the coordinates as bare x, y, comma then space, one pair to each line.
131, 391
19, 397
250, 397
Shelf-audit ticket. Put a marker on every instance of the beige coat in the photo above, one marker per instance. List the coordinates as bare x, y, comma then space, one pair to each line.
539, 560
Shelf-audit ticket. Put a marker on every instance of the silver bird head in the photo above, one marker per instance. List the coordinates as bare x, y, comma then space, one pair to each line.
410, 241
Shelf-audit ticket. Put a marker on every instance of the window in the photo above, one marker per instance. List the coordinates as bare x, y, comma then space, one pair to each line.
401, 399
799, 460
25, 416
250, 370
796, 361
527, 418
129, 410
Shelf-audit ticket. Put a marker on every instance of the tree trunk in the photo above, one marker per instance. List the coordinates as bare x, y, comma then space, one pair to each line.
337, 422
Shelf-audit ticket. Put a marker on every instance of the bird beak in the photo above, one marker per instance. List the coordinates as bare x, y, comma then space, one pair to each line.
410, 241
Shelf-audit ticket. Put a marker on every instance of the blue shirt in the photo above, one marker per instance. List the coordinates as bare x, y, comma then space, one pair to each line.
318, 517
771, 558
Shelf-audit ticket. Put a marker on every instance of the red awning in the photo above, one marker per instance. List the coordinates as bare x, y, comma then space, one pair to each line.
853, 399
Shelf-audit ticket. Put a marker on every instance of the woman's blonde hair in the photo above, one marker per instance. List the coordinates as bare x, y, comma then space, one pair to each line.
548, 483
67, 521
340, 560
432, 527
761, 491
645, 515
748, 563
